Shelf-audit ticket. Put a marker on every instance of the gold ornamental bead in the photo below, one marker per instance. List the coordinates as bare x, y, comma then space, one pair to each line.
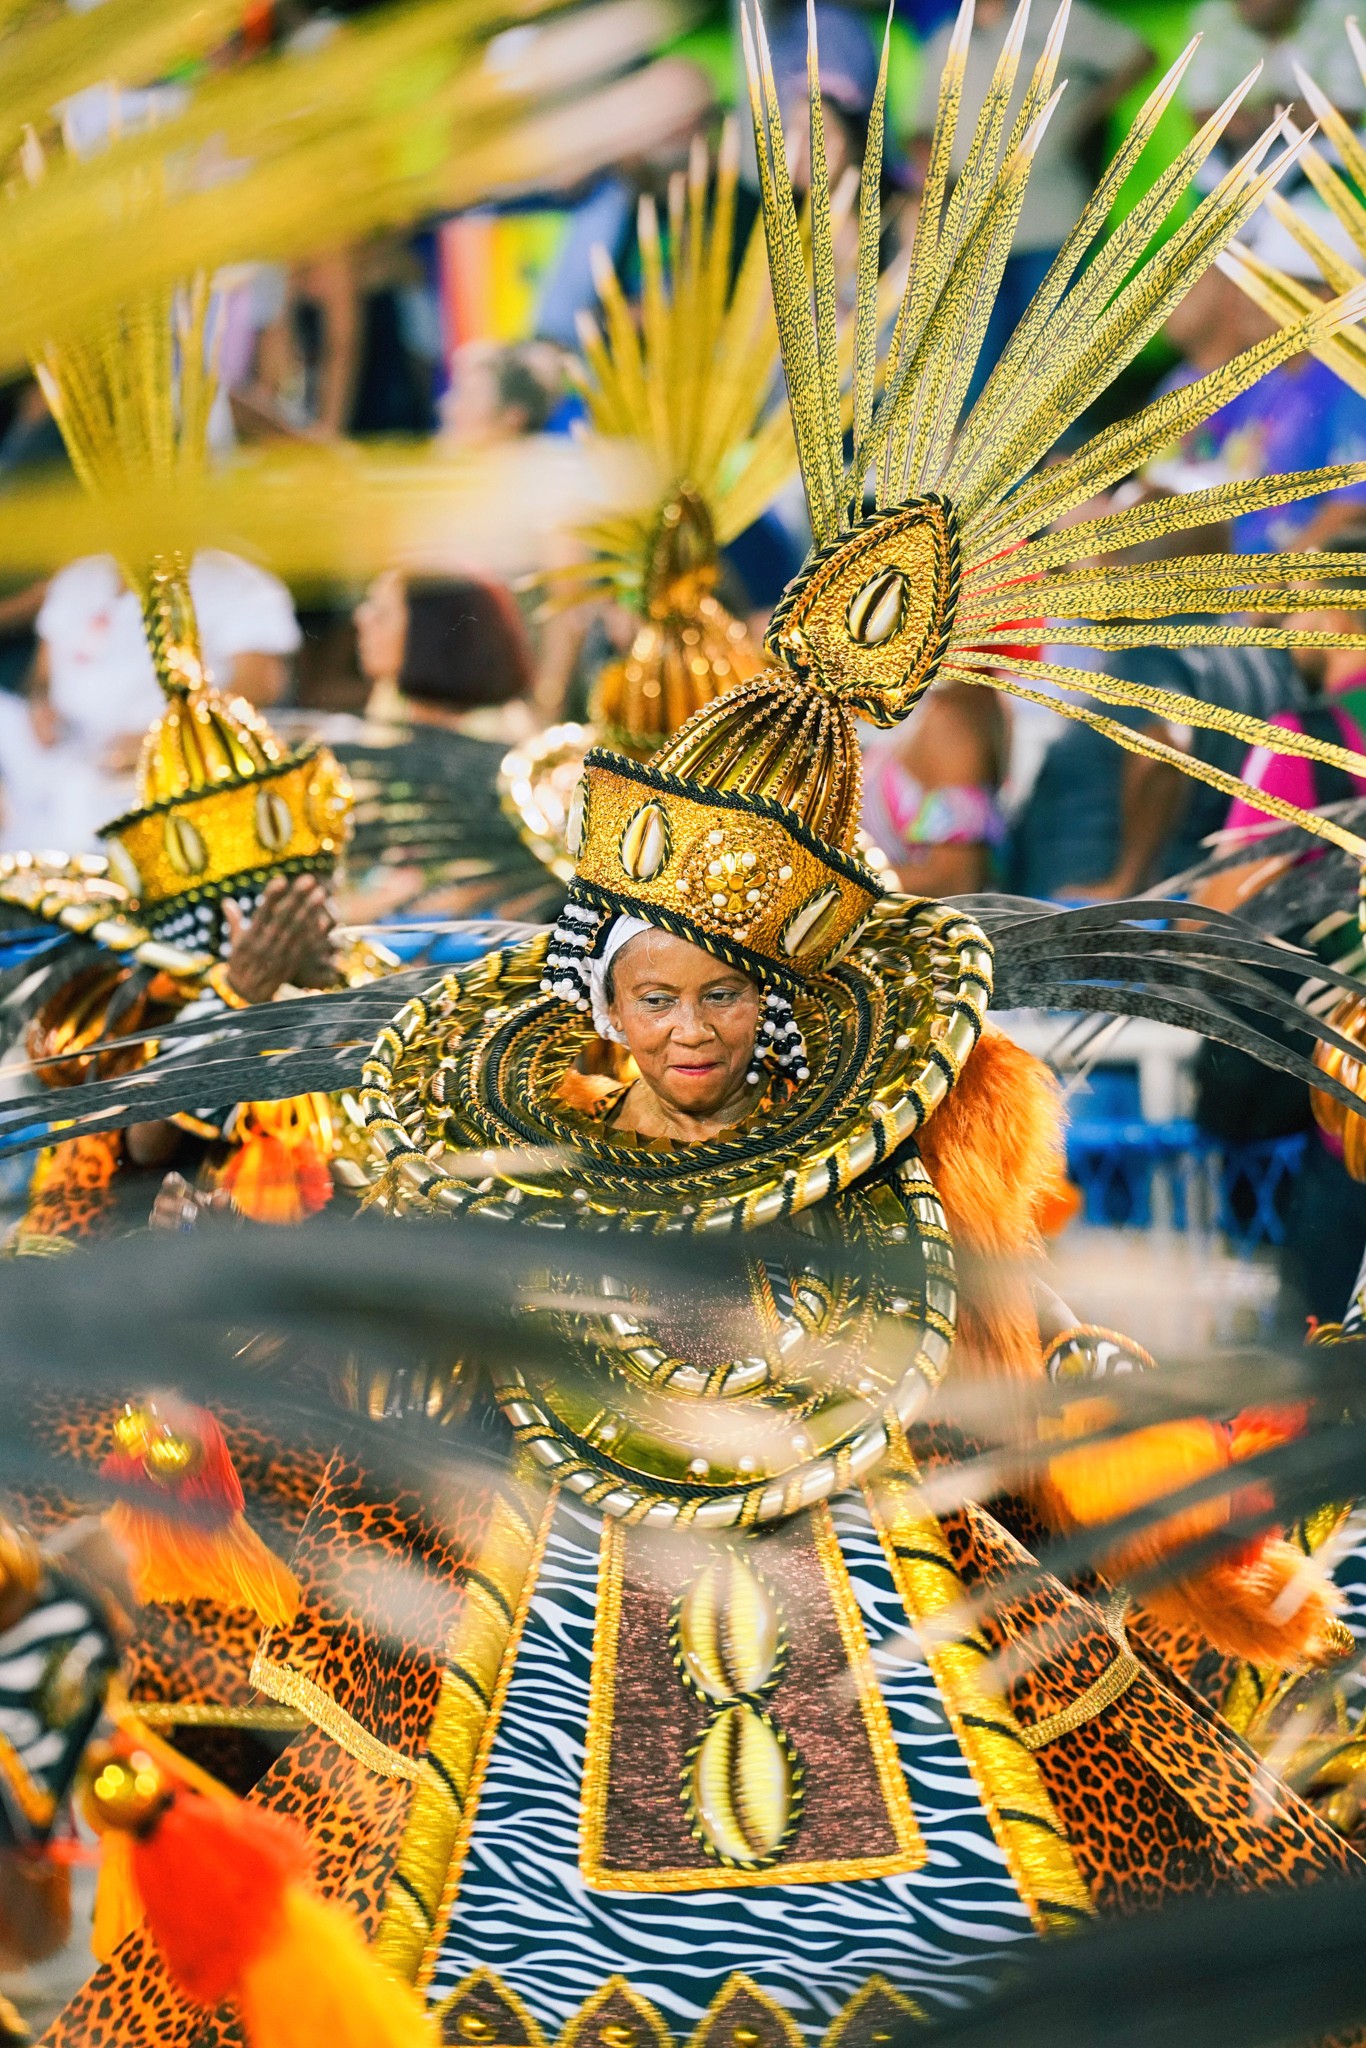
124, 1791
170, 1457
133, 1432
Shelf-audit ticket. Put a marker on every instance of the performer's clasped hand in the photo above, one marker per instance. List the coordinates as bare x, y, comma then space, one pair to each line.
290, 937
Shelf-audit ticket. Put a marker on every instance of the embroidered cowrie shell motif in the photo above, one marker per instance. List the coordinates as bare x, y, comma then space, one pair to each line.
871, 619
274, 821
576, 821
645, 844
123, 868
879, 609
743, 1789
728, 1631
810, 926
185, 849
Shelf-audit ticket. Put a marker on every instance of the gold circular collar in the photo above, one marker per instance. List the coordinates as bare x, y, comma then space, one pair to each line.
461, 1089
820, 1358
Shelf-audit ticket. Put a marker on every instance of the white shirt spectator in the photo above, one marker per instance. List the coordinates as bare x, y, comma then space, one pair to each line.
1230, 47
103, 690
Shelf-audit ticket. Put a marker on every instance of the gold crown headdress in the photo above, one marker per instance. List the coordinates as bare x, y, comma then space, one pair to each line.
222, 804
690, 384
740, 833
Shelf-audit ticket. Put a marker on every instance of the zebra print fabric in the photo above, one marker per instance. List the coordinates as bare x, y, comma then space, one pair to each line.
523, 1911
55, 1664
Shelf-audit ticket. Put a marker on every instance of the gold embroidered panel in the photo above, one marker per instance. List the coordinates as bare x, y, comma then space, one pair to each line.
736, 1733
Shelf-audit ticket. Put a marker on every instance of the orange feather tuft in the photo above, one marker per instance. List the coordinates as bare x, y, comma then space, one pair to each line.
181, 1522
994, 1151
1265, 1602
225, 1890
212, 1878
1271, 1605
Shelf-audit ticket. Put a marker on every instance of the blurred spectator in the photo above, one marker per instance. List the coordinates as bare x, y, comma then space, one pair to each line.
1237, 1098
447, 656
447, 651
1335, 680
1237, 35
931, 791
648, 118
500, 391
1097, 818
307, 356
1102, 59
1104, 824
67, 756
1256, 682
848, 61
347, 343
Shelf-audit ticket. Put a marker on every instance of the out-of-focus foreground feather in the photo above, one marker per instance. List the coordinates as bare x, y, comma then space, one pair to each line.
419, 109
1222, 979
336, 514
1250, 1972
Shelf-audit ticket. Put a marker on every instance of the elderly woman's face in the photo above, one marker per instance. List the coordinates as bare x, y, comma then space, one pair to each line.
689, 1021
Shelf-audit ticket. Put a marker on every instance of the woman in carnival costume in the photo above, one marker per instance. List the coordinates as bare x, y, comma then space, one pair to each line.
702, 1722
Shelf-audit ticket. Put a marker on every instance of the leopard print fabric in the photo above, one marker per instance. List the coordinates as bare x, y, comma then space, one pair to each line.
77, 1430
1186, 1654
200, 1652
371, 1551
1156, 1795
71, 1193
197, 1650
354, 1821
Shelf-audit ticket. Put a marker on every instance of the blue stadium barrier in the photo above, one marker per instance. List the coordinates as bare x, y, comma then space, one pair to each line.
1133, 1174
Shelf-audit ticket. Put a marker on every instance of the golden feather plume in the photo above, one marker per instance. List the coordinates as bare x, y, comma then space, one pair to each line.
981, 474
1286, 299
691, 379
408, 112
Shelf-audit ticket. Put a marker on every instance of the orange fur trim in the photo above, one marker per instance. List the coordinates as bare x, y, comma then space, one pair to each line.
1099, 1482
994, 1151
994, 1147
1273, 1607
587, 1093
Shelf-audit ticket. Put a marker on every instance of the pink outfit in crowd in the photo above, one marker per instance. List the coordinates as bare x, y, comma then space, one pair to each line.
1289, 776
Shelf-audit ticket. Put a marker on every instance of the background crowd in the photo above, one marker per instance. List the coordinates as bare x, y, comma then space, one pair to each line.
462, 333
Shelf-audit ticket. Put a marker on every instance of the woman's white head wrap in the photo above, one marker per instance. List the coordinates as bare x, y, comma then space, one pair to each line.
622, 932
579, 977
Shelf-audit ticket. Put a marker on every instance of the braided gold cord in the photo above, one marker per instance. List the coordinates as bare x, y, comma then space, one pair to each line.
442, 1072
